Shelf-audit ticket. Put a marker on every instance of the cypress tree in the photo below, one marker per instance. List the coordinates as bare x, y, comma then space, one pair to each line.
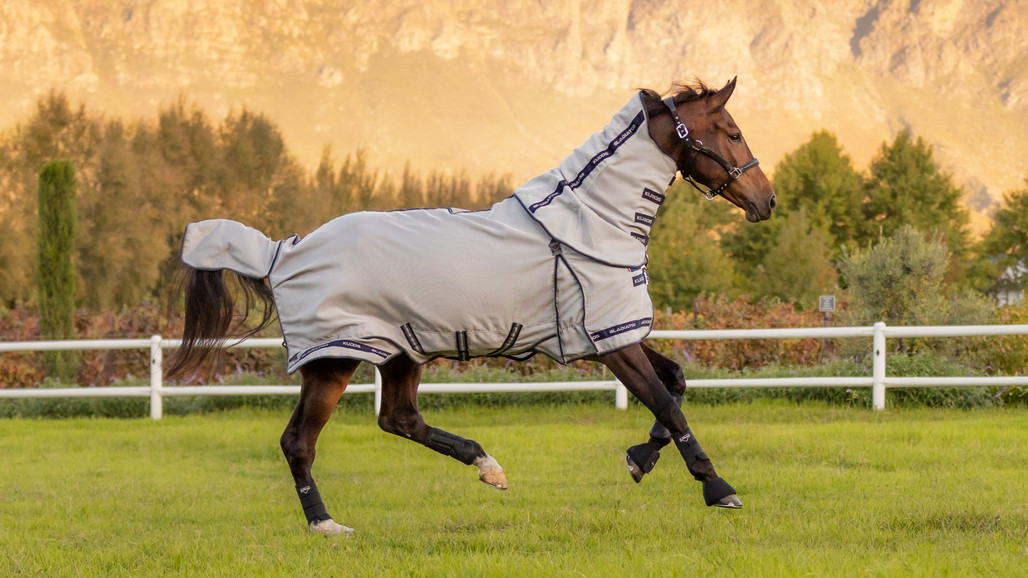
56, 268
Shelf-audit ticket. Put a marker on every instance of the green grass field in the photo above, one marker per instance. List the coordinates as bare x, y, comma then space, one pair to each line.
827, 491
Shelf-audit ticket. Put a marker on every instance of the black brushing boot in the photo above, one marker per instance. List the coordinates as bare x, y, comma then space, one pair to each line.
720, 493
716, 491
643, 457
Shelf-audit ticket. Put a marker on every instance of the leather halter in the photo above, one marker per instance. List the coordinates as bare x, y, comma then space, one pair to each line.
697, 146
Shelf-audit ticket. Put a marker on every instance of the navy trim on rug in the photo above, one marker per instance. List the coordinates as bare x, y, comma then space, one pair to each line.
590, 166
621, 328
344, 343
644, 219
653, 196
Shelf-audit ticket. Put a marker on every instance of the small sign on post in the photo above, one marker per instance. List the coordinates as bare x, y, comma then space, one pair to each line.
826, 305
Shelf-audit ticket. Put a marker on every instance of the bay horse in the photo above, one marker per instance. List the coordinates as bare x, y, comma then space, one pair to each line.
399, 288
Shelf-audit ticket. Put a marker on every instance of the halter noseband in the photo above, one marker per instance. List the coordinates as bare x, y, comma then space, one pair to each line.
697, 146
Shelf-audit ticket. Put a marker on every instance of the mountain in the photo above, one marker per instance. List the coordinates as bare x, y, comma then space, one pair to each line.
511, 86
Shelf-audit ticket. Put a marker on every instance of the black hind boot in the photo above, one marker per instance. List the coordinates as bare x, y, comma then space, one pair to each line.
643, 457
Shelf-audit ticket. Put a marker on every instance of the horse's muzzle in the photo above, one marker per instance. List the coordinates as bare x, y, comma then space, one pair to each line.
756, 213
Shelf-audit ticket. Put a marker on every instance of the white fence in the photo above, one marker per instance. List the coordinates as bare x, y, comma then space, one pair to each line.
878, 380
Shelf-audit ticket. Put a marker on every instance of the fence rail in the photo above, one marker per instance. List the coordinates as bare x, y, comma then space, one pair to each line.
878, 381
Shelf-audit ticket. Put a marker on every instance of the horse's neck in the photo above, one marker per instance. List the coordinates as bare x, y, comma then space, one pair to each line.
631, 187
603, 197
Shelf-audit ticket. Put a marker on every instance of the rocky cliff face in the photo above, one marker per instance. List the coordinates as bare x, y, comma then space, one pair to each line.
510, 86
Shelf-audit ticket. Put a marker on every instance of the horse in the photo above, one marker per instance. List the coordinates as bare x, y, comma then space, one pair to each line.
577, 237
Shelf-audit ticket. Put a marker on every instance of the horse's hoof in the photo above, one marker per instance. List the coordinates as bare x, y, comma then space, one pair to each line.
490, 472
641, 459
634, 470
731, 502
494, 478
329, 528
718, 492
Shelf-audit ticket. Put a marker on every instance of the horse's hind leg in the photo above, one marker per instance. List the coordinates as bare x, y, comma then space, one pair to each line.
643, 457
399, 415
324, 381
633, 368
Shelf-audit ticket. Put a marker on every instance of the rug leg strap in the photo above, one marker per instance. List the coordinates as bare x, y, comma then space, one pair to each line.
310, 500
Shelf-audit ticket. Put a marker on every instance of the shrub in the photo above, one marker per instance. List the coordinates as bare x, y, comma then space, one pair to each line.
1008, 354
103, 368
724, 313
901, 281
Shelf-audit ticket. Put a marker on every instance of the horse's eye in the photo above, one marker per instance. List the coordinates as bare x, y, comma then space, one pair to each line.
735, 137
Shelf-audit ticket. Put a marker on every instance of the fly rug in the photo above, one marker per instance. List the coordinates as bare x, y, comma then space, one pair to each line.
558, 268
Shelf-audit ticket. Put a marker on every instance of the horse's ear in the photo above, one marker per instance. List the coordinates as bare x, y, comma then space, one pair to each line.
719, 98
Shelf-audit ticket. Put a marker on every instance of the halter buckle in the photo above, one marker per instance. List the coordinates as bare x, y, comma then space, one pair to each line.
682, 130
735, 172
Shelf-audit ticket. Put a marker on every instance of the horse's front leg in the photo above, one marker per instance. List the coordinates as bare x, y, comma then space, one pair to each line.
633, 368
324, 381
399, 415
643, 457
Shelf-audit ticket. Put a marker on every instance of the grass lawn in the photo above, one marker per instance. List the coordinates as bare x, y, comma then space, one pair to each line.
827, 491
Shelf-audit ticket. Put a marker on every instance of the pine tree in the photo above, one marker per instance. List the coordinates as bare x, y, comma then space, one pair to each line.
1003, 262
56, 270
906, 187
820, 179
817, 178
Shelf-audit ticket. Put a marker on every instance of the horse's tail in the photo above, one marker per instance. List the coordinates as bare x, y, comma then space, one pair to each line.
208, 248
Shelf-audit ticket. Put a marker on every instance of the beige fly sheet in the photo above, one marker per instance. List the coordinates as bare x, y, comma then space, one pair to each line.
558, 268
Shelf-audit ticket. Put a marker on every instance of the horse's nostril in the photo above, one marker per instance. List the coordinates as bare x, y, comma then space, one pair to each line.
772, 203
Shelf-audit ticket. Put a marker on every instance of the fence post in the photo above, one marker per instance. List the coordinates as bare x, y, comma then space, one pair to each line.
878, 367
620, 395
156, 376
378, 392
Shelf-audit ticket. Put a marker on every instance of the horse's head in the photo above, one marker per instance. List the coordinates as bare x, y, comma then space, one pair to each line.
694, 129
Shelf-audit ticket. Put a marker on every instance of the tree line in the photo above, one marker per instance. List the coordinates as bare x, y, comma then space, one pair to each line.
830, 217
140, 182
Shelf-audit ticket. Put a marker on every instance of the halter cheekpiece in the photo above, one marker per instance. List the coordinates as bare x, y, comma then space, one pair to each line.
697, 146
